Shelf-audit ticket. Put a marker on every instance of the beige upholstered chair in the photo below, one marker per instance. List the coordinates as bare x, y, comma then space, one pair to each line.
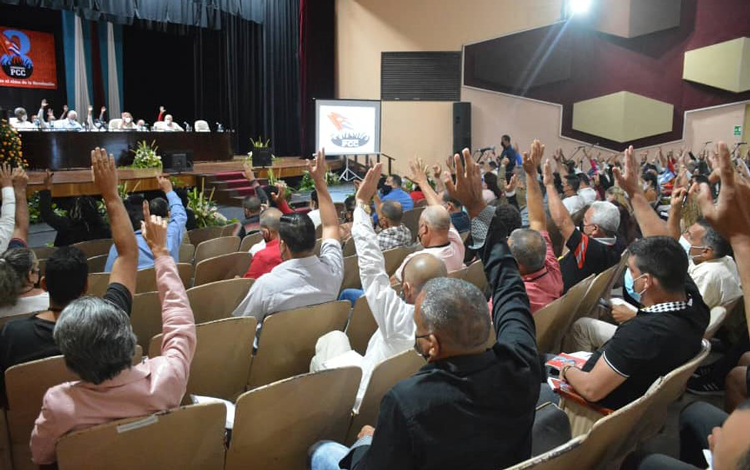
217, 300
250, 240
199, 235
222, 267
351, 273
554, 320
93, 248
411, 220
201, 126
216, 247
187, 253
97, 263
361, 326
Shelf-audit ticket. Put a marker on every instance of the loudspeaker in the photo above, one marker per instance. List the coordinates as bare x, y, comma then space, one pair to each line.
461, 126
262, 156
177, 162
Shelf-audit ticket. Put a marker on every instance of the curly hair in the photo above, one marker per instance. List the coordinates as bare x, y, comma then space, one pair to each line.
15, 265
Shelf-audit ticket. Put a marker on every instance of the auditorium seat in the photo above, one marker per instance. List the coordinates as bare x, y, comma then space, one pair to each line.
250, 240
394, 257
222, 267
350, 249
146, 278
187, 253
199, 235
718, 315
216, 247
230, 230
201, 126
188, 438
554, 320
43, 252
25, 386
287, 341
97, 284
385, 375
351, 273
411, 220
93, 248
97, 263
145, 317
114, 124
361, 326
217, 300
275, 425
6, 319
221, 364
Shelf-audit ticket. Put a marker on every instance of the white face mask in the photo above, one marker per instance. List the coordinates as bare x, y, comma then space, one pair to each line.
128, 120
168, 122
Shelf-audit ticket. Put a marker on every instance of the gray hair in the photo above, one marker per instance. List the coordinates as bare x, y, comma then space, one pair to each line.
714, 239
19, 112
436, 217
72, 115
392, 211
528, 248
606, 215
96, 339
457, 311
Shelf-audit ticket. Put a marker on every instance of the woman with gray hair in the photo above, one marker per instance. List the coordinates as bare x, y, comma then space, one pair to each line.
19, 278
98, 343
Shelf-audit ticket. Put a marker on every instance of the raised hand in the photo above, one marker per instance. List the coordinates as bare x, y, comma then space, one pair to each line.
317, 167
678, 195
369, 185
437, 170
165, 184
103, 108
468, 186
6, 176
154, 231
449, 164
162, 109
48, 175
418, 171
533, 158
247, 172
547, 178
627, 179
104, 172
512, 184
20, 178
44, 103
282, 190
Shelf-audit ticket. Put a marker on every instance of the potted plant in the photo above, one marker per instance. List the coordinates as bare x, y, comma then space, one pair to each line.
145, 155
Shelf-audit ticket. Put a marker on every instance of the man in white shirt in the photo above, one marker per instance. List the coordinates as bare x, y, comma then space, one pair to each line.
572, 202
303, 278
168, 125
587, 193
393, 314
69, 124
22, 122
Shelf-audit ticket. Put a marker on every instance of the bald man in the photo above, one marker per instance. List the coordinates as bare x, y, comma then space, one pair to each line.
439, 238
393, 314
269, 257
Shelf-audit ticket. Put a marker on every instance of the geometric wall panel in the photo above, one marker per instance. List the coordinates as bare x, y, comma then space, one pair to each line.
623, 116
725, 65
632, 18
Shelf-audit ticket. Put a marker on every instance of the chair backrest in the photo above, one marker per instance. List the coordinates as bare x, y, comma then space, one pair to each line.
42, 266
97, 283
596, 291
230, 230
217, 300
385, 375
6, 319
718, 315
351, 273
187, 253
43, 252
287, 341
411, 220
361, 326
145, 317
560, 458
201, 126
145, 280
216, 247
25, 386
551, 429
195, 434
350, 249
114, 124
222, 267
250, 240
275, 425
96, 263
394, 257
93, 248
474, 274
554, 320
199, 235
221, 364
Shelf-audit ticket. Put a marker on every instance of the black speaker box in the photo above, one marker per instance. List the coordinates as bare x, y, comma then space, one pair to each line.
461, 126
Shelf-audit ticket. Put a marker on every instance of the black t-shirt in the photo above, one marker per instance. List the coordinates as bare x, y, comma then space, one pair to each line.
587, 256
30, 339
652, 344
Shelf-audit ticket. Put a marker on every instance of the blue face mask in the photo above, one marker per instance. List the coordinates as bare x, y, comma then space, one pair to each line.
629, 282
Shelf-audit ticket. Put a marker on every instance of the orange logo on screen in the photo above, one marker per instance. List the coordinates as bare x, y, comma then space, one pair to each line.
27, 59
340, 122
346, 136
15, 61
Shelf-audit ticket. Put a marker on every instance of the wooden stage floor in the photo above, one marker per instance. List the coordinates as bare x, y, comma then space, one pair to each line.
79, 182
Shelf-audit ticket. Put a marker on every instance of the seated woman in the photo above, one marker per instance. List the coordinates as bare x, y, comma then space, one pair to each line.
19, 276
127, 123
98, 343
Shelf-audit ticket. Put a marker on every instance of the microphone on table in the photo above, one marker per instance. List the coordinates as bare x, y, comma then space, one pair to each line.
219, 127
485, 149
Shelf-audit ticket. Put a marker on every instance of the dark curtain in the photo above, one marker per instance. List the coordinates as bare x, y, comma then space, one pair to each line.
316, 63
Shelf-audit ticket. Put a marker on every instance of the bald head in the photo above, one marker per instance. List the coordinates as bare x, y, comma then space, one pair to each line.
270, 219
421, 268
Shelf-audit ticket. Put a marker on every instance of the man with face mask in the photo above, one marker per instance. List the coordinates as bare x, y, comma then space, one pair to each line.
168, 125
127, 122
666, 331
471, 406
269, 257
69, 124
393, 314
303, 278
22, 122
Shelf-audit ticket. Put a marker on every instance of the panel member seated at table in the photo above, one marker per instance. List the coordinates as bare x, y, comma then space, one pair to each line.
69, 124
168, 125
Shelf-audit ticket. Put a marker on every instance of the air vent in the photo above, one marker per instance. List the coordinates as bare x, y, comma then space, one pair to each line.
420, 76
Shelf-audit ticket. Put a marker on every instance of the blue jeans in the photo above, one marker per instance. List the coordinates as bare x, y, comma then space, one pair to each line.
327, 455
351, 295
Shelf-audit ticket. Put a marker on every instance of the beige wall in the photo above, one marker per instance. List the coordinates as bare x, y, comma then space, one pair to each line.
365, 28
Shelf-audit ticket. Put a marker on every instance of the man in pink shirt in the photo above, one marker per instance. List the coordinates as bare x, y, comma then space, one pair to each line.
98, 343
532, 247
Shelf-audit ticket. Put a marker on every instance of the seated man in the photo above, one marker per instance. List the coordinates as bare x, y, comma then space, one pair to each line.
393, 233
703, 426
168, 125
393, 314
303, 278
98, 343
269, 257
22, 122
459, 219
573, 202
251, 208
435, 232
587, 193
532, 247
171, 209
592, 250
664, 334
393, 191
470, 406
69, 124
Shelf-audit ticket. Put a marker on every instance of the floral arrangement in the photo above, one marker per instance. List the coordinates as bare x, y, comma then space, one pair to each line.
145, 155
204, 208
35, 214
307, 183
10, 146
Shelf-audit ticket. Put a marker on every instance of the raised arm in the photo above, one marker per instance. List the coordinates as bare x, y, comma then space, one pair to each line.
55, 221
557, 210
177, 216
105, 176
419, 176
534, 198
731, 215
328, 218
8, 211
649, 221
675, 213
20, 181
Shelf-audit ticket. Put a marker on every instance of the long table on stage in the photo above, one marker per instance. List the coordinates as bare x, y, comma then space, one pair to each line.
60, 150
